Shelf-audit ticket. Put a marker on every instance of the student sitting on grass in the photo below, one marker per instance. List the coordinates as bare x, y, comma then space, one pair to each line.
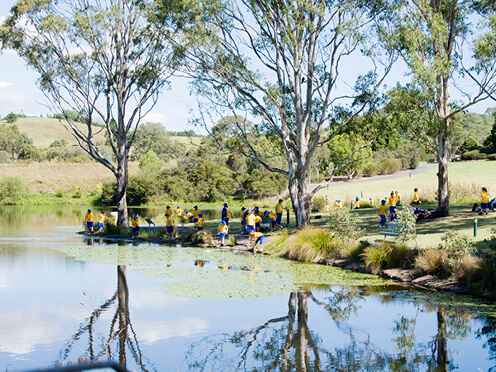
258, 237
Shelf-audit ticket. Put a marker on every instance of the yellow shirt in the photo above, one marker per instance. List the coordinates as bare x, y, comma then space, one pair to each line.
189, 215
392, 201
90, 217
416, 196
250, 219
179, 211
168, 211
257, 234
101, 218
134, 222
279, 208
201, 221
356, 204
241, 214
258, 219
397, 196
223, 229
196, 212
485, 197
272, 216
169, 221
382, 209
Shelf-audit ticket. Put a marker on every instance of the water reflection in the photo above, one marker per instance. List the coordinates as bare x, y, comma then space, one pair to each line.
289, 343
121, 341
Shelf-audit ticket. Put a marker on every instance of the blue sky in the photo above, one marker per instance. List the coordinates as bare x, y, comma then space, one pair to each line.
18, 91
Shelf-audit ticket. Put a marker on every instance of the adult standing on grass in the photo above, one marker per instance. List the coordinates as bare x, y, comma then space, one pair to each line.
484, 200
89, 218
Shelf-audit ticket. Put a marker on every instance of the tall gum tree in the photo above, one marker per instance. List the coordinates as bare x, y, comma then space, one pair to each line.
108, 60
277, 64
430, 36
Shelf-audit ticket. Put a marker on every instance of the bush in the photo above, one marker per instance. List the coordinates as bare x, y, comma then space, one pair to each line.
13, 187
31, 153
199, 237
344, 224
109, 191
470, 270
491, 157
318, 204
386, 255
140, 189
389, 166
371, 169
409, 156
473, 155
5, 157
433, 262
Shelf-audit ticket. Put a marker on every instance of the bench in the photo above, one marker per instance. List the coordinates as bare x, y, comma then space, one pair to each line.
150, 222
392, 229
266, 224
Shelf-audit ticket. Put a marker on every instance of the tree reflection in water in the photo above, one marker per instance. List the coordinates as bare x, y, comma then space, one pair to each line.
288, 344
121, 339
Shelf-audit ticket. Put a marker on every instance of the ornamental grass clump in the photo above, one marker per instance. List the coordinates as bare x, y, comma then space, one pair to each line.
310, 244
432, 262
199, 237
387, 255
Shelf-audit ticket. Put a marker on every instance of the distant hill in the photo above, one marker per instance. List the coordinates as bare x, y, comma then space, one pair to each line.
43, 131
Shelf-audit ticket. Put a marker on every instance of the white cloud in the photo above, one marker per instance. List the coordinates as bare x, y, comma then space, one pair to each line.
5, 84
151, 332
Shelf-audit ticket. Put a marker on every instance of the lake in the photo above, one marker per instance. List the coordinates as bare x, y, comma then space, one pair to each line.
67, 300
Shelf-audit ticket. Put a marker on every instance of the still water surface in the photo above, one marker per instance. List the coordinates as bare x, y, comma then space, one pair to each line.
155, 308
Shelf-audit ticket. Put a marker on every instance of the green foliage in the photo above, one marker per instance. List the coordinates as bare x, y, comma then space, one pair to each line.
70, 154
31, 153
344, 224
59, 143
12, 188
140, 189
456, 243
341, 147
470, 144
5, 157
473, 155
410, 155
153, 137
387, 255
10, 118
433, 262
389, 165
491, 157
12, 140
109, 191
72, 115
151, 163
407, 220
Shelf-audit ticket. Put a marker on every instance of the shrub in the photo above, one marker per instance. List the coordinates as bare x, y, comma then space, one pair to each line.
140, 189
491, 157
409, 156
109, 227
433, 262
386, 255
199, 237
470, 270
13, 187
352, 250
371, 169
318, 204
344, 224
109, 191
407, 219
473, 155
389, 166
31, 153
5, 157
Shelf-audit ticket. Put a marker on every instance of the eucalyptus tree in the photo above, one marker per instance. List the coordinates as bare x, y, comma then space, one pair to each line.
108, 60
278, 65
430, 36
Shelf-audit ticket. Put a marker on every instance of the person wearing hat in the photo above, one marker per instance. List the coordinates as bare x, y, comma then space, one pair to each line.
168, 210
201, 222
382, 214
279, 209
101, 218
250, 221
392, 206
89, 218
135, 225
196, 212
179, 211
327, 205
243, 220
356, 204
226, 212
223, 230
398, 198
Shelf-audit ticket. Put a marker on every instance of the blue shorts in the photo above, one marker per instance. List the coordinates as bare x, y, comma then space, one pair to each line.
100, 224
392, 209
136, 229
89, 224
250, 228
260, 239
200, 228
170, 229
484, 205
278, 218
222, 235
195, 220
257, 224
226, 220
383, 220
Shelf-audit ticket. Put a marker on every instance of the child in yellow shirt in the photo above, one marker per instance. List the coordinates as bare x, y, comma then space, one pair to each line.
223, 230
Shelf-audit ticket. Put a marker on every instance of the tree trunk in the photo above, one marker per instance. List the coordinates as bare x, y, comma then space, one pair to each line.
298, 191
122, 178
123, 310
442, 174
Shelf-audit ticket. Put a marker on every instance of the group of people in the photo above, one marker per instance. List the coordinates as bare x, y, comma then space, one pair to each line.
90, 218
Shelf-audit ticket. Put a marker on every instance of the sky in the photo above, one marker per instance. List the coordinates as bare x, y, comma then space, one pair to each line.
19, 93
